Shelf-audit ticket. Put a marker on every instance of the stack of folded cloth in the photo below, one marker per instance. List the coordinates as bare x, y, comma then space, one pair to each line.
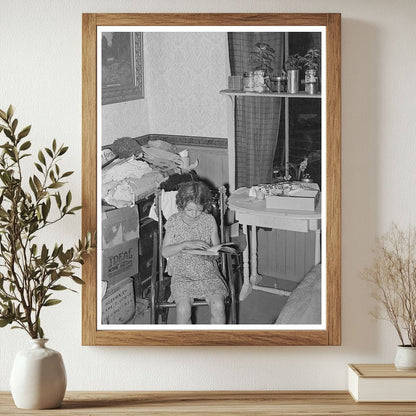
160, 158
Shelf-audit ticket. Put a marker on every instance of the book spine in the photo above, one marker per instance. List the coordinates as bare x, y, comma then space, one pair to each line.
353, 381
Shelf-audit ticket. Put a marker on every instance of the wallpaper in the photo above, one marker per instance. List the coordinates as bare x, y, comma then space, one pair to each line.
184, 72
127, 119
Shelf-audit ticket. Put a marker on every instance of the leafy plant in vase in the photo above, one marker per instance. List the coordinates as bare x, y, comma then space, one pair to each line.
312, 66
312, 59
261, 60
293, 64
393, 278
30, 272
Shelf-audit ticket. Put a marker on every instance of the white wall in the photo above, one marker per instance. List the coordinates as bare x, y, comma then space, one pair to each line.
40, 73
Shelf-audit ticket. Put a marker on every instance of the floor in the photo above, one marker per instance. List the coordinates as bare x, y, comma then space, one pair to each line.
258, 308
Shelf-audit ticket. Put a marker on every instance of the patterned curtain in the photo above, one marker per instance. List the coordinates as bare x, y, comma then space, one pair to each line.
257, 119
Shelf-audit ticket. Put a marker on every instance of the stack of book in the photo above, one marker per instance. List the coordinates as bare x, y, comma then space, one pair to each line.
381, 383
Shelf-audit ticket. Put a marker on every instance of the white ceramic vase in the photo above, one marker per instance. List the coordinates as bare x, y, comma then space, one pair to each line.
405, 358
38, 377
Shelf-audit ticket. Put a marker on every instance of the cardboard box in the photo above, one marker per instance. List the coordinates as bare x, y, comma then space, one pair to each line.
118, 305
235, 82
119, 226
120, 261
298, 203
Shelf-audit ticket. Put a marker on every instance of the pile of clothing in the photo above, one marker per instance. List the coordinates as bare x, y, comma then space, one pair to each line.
163, 155
126, 180
133, 171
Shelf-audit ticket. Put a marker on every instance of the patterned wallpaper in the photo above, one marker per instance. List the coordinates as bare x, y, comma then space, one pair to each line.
124, 119
184, 73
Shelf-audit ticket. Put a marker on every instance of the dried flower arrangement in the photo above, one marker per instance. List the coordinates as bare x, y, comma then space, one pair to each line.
296, 172
393, 277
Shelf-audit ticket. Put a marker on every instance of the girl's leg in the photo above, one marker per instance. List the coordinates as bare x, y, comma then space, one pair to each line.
217, 307
183, 310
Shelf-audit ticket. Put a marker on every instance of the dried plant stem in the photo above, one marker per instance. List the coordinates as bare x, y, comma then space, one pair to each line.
393, 276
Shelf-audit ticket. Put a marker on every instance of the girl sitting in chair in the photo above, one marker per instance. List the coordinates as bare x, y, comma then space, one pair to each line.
193, 275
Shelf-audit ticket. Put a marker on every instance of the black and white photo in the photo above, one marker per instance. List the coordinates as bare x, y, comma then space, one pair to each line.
225, 145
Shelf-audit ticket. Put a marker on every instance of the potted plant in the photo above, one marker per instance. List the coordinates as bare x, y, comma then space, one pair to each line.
312, 66
393, 278
312, 59
293, 64
261, 60
31, 272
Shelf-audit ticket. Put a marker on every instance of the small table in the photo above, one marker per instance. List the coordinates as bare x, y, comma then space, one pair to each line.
250, 211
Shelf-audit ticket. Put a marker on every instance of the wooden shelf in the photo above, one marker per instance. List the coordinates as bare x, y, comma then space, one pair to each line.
179, 403
300, 94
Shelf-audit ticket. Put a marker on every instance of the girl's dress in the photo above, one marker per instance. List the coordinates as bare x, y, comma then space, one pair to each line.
193, 275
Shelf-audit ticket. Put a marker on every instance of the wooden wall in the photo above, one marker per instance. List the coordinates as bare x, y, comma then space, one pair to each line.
213, 163
211, 152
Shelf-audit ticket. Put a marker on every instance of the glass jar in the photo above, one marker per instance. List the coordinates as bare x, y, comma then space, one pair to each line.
248, 81
259, 80
280, 84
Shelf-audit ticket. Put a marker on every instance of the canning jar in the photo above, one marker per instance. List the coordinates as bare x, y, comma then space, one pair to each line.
248, 81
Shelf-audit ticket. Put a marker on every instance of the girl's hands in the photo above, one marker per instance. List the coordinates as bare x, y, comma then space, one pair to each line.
195, 245
169, 250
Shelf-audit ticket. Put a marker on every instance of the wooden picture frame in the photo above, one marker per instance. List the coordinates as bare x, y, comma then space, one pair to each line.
331, 335
130, 86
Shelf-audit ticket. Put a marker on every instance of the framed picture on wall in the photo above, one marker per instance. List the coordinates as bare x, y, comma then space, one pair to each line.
280, 139
121, 66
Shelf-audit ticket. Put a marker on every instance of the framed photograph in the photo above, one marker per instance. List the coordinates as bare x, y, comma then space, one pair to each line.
121, 66
250, 106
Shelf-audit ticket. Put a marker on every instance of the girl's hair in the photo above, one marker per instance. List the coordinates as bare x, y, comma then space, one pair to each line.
196, 192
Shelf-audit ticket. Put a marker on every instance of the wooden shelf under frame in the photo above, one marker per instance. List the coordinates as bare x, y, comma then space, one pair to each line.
180, 403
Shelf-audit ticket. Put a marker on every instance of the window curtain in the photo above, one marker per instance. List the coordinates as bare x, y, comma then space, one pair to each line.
257, 119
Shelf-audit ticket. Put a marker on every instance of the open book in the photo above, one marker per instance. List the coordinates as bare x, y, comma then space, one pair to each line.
214, 250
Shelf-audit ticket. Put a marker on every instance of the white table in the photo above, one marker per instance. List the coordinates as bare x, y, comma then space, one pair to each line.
252, 212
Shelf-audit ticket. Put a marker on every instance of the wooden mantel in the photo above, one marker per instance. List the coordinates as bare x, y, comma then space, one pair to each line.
179, 403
